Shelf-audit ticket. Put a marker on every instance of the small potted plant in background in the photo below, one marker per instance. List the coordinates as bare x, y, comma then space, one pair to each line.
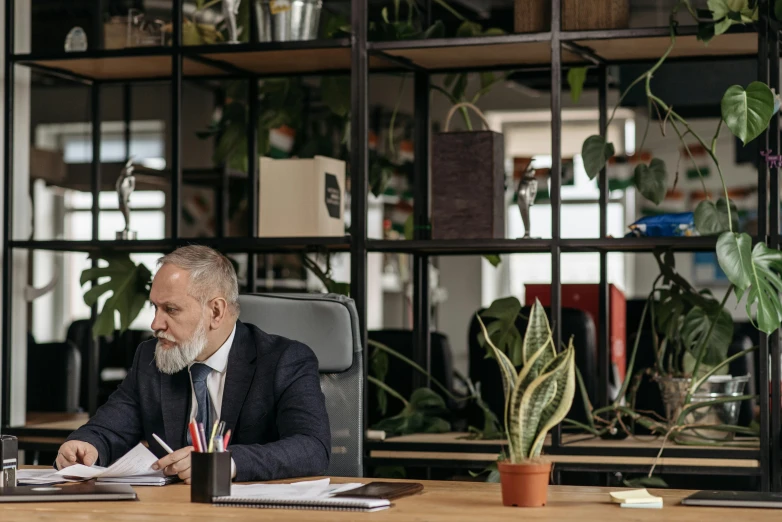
536, 400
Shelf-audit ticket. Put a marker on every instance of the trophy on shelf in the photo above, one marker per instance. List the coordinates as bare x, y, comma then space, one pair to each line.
525, 196
126, 183
230, 12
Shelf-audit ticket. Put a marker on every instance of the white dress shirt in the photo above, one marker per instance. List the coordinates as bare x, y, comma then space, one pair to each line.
215, 384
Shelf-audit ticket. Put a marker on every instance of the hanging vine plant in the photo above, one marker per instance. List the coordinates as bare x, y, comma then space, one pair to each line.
746, 112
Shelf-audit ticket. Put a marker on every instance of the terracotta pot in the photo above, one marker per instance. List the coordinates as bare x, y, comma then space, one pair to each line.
524, 485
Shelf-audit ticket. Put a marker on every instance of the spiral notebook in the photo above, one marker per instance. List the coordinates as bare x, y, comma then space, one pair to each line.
311, 494
327, 503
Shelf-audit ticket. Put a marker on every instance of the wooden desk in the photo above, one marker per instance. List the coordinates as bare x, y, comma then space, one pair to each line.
578, 452
439, 502
47, 430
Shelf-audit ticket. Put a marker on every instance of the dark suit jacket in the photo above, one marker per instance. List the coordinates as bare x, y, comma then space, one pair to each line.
272, 403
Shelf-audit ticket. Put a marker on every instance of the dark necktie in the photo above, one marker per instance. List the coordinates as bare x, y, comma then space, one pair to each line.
199, 372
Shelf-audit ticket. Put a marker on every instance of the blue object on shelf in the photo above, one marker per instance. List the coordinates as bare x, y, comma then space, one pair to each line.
664, 225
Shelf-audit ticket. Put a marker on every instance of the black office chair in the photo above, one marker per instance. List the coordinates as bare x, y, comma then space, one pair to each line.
400, 374
53, 376
575, 323
116, 352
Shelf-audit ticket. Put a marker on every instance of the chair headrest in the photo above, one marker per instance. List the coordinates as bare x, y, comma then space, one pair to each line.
327, 323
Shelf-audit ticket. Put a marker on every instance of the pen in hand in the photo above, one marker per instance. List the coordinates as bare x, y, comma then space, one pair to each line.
163, 444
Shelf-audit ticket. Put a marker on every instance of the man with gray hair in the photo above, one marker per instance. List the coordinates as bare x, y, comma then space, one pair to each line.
207, 365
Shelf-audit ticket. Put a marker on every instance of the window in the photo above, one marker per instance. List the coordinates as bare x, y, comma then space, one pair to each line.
147, 147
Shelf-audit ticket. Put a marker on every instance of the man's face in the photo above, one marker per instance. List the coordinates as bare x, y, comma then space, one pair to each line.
179, 324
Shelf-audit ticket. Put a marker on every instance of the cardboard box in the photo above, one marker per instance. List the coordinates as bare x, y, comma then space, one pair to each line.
587, 298
301, 197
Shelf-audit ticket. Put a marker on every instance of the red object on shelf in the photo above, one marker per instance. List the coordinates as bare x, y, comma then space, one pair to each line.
587, 298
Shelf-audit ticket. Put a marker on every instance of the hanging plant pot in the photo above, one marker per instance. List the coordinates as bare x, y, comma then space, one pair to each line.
579, 15
525, 484
468, 182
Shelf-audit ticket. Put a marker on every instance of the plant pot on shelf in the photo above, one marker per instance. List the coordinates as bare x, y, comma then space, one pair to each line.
674, 391
468, 182
301, 197
579, 15
525, 484
533, 16
287, 20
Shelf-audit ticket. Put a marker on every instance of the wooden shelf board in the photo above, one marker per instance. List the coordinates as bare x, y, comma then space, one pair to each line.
629, 49
125, 67
315, 60
481, 55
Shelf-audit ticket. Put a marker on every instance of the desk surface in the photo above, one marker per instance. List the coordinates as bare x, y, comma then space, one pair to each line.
440, 501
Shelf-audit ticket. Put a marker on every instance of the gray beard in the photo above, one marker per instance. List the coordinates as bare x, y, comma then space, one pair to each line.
176, 358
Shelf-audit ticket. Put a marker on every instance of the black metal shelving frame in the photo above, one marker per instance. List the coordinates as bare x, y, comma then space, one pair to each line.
554, 50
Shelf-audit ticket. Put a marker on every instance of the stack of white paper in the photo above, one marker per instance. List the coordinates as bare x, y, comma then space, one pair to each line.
135, 467
636, 498
38, 477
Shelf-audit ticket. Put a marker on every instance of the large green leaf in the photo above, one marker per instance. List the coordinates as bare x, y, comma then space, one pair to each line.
712, 219
650, 180
562, 370
502, 330
576, 77
747, 113
735, 258
766, 285
595, 152
129, 284
695, 330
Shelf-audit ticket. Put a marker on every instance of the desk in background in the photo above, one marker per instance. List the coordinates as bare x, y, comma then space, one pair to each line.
578, 453
46, 431
439, 502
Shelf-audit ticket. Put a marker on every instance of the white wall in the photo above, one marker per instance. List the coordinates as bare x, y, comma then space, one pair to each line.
21, 208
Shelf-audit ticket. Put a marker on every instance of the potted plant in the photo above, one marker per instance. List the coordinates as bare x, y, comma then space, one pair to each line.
691, 334
536, 400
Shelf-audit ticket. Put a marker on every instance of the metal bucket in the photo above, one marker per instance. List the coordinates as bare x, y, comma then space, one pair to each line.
287, 20
674, 391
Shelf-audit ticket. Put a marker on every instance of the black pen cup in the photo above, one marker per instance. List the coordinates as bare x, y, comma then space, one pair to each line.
210, 477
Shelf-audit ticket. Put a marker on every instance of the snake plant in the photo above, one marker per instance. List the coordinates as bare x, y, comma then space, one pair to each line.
539, 396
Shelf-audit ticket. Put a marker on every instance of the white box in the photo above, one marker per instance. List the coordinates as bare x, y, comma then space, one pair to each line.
301, 197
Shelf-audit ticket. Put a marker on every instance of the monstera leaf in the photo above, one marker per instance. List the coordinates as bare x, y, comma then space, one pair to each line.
696, 336
129, 285
422, 414
757, 271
